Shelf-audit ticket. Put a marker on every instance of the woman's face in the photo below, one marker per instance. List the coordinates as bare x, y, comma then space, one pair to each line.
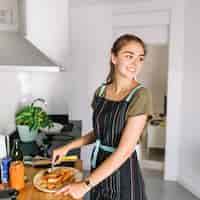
129, 60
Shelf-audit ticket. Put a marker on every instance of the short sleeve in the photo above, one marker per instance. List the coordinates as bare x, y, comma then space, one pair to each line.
140, 104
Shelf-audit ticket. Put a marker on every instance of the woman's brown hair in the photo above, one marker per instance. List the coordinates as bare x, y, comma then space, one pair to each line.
119, 43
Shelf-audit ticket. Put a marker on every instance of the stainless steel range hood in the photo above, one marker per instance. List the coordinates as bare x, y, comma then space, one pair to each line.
18, 54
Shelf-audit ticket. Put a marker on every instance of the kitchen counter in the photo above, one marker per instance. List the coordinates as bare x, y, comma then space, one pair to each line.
31, 193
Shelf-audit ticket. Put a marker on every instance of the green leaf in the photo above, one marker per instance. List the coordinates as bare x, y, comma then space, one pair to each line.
34, 117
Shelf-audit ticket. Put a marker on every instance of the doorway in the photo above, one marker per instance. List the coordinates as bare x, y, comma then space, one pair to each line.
154, 76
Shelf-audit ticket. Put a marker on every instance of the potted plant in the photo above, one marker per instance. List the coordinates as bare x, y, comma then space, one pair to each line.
29, 120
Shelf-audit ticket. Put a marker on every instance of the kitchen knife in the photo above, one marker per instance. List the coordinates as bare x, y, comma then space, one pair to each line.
48, 162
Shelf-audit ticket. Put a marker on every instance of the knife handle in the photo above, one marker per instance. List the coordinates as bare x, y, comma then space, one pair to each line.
69, 158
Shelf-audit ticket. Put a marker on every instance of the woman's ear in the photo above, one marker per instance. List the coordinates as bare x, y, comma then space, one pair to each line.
113, 59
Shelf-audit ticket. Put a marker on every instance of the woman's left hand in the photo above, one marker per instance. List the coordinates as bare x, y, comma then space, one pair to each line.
76, 190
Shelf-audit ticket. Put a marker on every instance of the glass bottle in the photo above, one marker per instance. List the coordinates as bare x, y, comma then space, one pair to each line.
16, 153
16, 170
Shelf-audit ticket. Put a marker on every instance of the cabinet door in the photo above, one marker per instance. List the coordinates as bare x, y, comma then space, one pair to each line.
156, 137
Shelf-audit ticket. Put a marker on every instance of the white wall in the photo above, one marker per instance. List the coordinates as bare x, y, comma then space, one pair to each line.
55, 88
190, 138
91, 36
10, 95
175, 76
48, 29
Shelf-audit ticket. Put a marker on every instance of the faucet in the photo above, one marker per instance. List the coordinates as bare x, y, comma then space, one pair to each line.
39, 99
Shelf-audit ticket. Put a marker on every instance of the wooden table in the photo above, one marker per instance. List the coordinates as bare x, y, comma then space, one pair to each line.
31, 193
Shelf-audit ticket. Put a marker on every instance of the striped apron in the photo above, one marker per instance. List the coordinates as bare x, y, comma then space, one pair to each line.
109, 119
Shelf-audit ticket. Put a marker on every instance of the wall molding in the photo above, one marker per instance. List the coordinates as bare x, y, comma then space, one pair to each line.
128, 11
143, 18
147, 32
153, 5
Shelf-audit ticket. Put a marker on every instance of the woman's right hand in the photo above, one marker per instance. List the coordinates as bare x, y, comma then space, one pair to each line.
59, 153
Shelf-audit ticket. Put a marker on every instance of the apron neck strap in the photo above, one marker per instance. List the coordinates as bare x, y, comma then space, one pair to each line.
101, 90
129, 97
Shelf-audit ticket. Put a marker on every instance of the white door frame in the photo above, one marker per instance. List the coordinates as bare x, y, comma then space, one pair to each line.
174, 17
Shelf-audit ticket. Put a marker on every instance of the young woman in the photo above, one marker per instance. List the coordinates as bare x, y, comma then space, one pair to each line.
120, 110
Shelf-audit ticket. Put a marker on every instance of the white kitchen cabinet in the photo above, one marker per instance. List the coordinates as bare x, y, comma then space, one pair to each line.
155, 136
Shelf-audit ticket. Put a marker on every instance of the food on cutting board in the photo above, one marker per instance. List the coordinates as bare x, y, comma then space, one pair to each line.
56, 178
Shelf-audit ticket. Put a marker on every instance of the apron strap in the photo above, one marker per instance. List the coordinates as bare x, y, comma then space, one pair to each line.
98, 146
101, 90
128, 98
103, 86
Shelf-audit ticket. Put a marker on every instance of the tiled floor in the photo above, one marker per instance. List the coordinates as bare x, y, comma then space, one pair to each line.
158, 189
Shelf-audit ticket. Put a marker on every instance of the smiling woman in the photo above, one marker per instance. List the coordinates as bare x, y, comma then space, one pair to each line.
120, 110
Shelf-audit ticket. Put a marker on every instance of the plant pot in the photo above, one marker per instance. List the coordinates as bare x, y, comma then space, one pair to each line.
25, 134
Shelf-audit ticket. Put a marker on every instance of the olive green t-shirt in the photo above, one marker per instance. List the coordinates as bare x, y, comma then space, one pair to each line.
140, 103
